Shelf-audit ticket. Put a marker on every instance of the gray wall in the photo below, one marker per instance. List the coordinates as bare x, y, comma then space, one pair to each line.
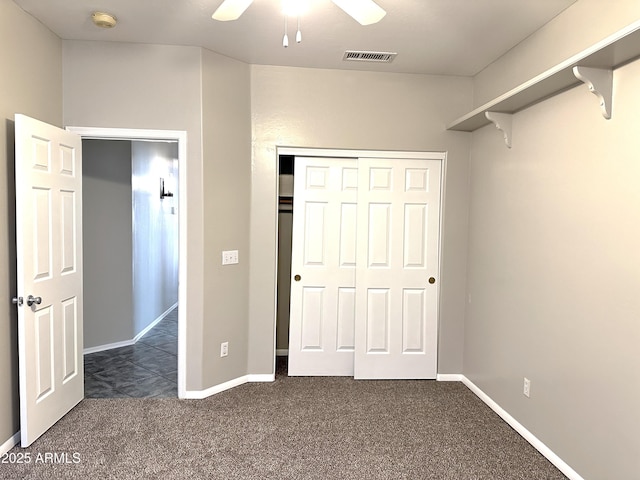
553, 237
155, 231
31, 83
554, 275
305, 107
107, 246
226, 127
150, 87
130, 237
192, 89
554, 268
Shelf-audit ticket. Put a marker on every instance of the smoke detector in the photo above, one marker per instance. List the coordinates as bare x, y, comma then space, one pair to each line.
103, 20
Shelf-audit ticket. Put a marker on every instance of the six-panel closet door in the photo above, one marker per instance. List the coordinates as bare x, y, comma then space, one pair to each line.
323, 261
364, 267
397, 268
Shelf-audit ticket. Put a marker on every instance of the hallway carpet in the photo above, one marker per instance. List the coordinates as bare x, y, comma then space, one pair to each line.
293, 428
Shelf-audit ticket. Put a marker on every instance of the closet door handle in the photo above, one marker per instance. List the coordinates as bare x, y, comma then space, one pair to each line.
297, 278
432, 280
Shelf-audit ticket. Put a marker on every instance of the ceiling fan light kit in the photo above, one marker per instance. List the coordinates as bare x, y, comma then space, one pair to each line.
298, 33
365, 12
231, 10
295, 8
285, 39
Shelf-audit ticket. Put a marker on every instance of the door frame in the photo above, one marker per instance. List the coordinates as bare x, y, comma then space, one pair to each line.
159, 135
347, 153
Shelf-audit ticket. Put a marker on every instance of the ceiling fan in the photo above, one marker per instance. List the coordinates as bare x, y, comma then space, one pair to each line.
365, 12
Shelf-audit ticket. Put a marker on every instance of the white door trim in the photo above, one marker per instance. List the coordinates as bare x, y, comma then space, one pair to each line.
181, 137
332, 152
347, 153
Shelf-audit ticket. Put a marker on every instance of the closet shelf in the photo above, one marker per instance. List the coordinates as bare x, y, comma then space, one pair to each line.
613, 52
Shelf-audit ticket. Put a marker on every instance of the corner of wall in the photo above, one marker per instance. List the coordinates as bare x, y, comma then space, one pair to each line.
226, 117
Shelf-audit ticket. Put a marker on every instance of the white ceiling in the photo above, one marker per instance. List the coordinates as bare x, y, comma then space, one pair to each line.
453, 37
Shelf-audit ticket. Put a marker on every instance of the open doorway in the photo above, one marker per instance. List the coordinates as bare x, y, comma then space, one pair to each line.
130, 199
147, 351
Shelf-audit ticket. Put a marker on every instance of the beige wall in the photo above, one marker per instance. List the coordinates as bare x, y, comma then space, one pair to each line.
31, 83
302, 107
226, 126
580, 26
554, 275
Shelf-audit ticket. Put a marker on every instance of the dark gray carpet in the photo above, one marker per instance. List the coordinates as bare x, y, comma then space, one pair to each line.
294, 428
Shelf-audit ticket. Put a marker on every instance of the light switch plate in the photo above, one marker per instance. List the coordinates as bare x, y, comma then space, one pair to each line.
229, 257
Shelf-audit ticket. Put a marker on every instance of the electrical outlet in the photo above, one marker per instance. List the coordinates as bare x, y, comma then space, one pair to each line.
527, 387
224, 349
229, 257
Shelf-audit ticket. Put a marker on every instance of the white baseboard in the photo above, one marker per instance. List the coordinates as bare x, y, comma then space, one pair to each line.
261, 377
200, 394
154, 323
9, 444
236, 382
445, 377
134, 340
526, 434
108, 346
282, 352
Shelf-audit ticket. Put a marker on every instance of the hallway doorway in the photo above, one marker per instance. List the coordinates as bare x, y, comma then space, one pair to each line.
164, 336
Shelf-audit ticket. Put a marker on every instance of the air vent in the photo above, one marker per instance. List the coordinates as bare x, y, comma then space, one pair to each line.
380, 57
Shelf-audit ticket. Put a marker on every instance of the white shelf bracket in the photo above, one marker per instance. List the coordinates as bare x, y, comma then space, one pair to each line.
600, 83
502, 121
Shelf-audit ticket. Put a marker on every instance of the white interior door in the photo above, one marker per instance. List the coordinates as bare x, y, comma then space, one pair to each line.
323, 257
397, 268
49, 250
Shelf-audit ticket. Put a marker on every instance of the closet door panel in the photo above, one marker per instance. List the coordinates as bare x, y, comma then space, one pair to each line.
323, 257
397, 268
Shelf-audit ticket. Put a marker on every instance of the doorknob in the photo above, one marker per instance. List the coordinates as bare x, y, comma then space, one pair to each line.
297, 278
31, 300
432, 280
17, 301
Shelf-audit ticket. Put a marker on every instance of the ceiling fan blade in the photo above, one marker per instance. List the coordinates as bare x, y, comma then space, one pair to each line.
365, 12
231, 10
